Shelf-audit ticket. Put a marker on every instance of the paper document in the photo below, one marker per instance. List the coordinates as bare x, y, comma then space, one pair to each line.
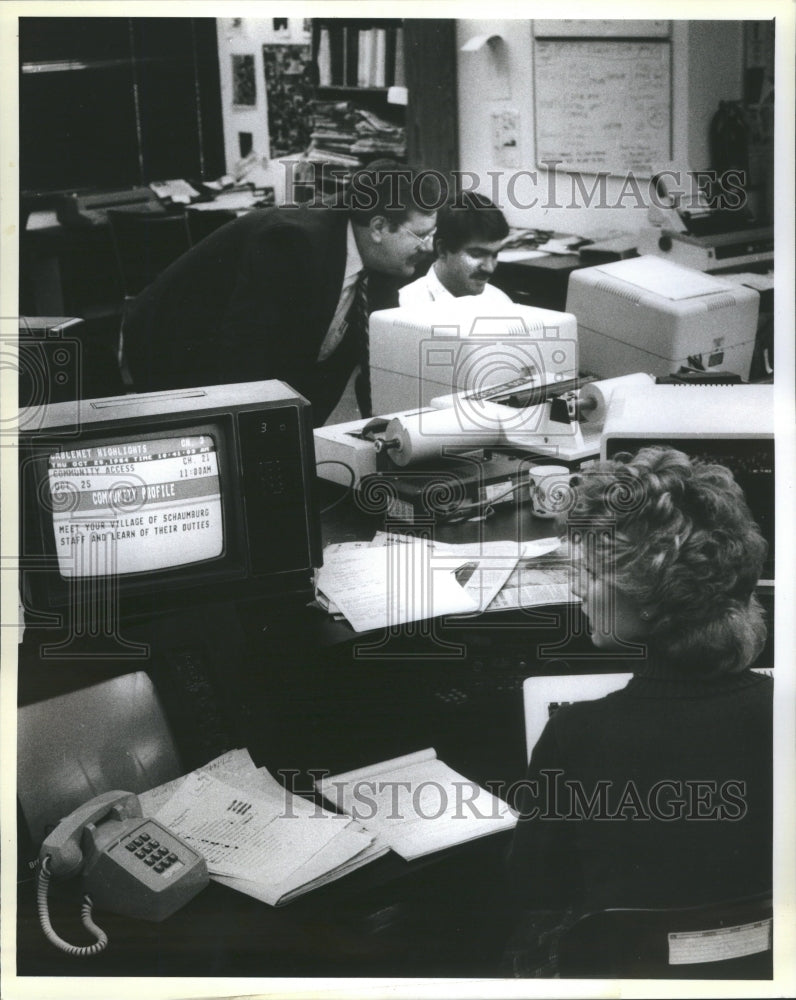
256, 836
512, 254
541, 577
390, 585
241, 833
394, 578
417, 804
491, 563
237, 762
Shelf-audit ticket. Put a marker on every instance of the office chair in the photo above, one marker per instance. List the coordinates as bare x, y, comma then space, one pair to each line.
728, 940
144, 245
76, 745
202, 223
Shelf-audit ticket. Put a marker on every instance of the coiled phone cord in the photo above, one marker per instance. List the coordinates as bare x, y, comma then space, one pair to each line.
42, 890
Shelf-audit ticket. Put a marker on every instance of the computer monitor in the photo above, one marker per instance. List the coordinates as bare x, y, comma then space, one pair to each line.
419, 353
732, 425
163, 500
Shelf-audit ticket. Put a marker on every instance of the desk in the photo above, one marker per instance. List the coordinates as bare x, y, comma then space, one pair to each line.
539, 281
391, 919
70, 269
302, 692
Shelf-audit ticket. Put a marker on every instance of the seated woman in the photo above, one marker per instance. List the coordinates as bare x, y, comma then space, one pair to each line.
659, 794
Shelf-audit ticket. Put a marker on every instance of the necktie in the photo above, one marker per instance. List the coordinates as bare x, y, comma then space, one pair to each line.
358, 328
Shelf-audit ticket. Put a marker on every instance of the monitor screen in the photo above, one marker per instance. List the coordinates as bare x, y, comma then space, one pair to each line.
136, 506
163, 500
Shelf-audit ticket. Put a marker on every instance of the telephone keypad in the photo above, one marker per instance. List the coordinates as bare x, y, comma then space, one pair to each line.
155, 855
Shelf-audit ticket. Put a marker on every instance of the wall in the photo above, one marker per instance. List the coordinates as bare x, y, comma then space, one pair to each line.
706, 68
246, 36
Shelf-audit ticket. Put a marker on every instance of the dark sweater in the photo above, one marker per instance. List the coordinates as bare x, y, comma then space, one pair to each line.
657, 795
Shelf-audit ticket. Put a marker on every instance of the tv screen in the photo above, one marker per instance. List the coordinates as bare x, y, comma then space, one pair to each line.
164, 500
136, 506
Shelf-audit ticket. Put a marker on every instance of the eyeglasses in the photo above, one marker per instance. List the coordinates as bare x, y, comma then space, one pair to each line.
427, 241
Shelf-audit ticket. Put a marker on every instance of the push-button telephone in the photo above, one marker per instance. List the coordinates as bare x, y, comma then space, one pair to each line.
130, 865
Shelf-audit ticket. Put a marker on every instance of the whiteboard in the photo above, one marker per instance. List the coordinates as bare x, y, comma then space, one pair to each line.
603, 106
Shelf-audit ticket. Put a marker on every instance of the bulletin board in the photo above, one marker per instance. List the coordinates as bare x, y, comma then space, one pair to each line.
603, 106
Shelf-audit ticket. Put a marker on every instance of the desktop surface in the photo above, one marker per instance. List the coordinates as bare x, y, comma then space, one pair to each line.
304, 694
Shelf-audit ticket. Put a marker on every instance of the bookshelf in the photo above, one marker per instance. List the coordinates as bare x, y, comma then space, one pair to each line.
358, 54
355, 62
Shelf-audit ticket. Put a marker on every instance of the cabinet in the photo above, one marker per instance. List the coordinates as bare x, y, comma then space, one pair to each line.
115, 102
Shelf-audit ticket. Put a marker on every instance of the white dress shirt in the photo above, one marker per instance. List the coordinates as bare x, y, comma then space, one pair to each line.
430, 289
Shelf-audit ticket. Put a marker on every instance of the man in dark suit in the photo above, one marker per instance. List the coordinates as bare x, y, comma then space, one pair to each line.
273, 294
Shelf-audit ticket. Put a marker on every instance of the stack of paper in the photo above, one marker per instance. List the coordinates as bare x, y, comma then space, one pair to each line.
256, 836
541, 577
417, 804
396, 579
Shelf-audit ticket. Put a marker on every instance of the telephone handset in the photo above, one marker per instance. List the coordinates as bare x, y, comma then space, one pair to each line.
130, 865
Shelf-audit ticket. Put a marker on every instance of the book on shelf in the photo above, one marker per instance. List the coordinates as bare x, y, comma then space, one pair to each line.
417, 805
324, 59
365, 57
399, 78
349, 56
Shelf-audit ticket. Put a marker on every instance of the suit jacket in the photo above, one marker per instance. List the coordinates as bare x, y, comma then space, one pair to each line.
252, 301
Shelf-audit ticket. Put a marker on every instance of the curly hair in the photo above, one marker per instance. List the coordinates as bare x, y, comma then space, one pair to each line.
684, 545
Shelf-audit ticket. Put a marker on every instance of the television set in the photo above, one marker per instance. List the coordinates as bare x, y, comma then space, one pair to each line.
732, 425
164, 500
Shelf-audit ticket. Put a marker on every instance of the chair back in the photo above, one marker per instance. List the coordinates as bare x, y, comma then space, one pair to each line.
728, 940
145, 243
76, 745
203, 222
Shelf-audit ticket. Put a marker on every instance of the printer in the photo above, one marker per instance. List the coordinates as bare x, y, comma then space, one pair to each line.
649, 314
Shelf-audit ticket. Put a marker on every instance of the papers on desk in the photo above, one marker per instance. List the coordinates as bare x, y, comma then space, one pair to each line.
512, 254
230, 201
256, 836
41, 220
395, 579
541, 577
417, 805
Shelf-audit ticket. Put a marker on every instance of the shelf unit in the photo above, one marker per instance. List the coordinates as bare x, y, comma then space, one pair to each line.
419, 54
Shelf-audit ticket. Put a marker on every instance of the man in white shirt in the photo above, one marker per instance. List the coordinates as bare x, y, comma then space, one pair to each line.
470, 231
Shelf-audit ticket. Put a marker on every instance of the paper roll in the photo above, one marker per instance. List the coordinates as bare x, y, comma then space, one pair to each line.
595, 396
428, 434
